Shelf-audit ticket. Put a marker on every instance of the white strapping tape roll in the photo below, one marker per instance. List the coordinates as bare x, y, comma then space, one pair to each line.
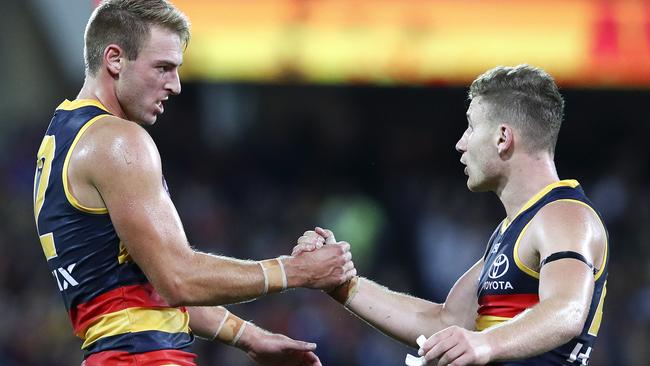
416, 361
420, 341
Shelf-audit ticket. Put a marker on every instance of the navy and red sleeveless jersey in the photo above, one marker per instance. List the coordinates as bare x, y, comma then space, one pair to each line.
507, 286
112, 306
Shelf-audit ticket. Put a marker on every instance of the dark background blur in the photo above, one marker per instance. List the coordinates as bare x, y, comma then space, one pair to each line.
252, 166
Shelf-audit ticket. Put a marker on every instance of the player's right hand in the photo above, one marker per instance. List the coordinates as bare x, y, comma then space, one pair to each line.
324, 267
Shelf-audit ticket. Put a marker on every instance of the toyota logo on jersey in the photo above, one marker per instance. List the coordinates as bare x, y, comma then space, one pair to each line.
499, 267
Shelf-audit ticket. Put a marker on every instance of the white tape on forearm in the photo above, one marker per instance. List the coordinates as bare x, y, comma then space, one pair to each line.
266, 279
353, 292
284, 274
346, 292
241, 331
223, 321
275, 278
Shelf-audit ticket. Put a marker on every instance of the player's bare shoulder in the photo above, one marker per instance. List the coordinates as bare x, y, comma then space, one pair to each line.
569, 225
116, 137
109, 150
114, 145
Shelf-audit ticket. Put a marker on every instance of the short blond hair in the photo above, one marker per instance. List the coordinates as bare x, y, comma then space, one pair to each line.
127, 23
526, 96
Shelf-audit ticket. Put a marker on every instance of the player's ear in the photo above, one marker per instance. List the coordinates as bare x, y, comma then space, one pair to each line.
113, 58
505, 139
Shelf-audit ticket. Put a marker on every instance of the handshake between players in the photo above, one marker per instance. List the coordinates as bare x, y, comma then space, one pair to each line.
314, 241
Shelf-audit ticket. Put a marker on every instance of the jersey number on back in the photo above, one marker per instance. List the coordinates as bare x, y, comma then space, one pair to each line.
41, 179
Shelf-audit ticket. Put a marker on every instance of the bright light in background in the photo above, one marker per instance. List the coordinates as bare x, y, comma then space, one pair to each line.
581, 42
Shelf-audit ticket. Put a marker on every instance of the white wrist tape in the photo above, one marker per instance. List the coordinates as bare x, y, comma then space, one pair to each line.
346, 292
223, 321
230, 329
275, 278
241, 331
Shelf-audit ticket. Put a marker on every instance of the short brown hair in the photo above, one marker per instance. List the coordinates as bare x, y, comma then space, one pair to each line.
127, 23
526, 96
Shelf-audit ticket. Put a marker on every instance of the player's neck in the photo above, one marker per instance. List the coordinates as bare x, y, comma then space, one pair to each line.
527, 177
103, 91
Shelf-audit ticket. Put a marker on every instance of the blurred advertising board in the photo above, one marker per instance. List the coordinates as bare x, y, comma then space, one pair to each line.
587, 43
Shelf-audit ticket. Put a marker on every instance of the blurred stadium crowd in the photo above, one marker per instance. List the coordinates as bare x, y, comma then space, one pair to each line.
250, 167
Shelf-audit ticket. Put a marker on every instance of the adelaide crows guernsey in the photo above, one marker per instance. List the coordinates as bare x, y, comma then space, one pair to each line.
112, 306
507, 286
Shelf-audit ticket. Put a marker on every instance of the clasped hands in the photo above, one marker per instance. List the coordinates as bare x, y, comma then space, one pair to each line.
327, 262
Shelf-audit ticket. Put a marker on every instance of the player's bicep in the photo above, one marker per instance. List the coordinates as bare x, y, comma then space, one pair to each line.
569, 231
571, 242
568, 280
129, 180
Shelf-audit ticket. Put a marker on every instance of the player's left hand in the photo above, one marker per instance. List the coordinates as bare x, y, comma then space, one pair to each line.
308, 242
312, 240
456, 346
272, 349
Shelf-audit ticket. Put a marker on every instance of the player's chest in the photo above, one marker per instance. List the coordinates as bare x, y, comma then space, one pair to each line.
504, 272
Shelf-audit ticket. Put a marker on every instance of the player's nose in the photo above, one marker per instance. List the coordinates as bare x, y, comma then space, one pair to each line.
174, 83
461, 145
